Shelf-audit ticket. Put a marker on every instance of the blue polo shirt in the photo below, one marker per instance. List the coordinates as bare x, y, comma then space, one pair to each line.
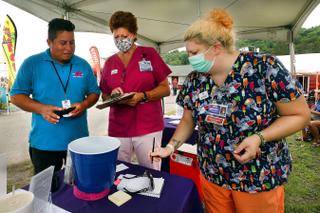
37, 77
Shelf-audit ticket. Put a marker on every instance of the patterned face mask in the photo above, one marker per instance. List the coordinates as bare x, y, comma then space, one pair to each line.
123, 44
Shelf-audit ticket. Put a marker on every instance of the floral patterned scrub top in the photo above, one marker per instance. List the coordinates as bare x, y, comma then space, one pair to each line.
243, 105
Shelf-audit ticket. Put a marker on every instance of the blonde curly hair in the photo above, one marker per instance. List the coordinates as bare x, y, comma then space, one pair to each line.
216, 26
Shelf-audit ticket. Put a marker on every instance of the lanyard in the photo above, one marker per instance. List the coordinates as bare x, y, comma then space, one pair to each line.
63, 86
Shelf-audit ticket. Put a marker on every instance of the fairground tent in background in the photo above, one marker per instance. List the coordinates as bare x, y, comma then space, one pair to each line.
9, 48
307, 69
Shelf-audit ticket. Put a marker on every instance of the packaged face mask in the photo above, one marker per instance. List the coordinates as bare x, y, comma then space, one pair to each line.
136, 184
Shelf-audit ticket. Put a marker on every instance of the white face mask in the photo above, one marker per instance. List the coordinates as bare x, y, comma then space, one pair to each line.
123, 44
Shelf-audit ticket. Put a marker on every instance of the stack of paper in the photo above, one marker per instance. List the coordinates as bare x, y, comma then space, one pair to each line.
158, 186
119, 198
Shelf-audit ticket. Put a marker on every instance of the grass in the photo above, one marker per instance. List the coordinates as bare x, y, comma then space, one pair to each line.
19, 175
302, 192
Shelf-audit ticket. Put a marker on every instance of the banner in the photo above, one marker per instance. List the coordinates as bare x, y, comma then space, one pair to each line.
9, 48
3, 93
96, 62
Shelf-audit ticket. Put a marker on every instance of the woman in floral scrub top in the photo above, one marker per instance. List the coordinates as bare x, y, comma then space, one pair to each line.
244, 104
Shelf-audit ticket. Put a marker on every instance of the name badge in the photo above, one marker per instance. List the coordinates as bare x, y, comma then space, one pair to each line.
114, 71
203, 95
217, 110
213, 119
145, 65
66, 104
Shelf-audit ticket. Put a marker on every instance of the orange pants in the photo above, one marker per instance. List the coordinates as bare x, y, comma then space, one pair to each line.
220, 200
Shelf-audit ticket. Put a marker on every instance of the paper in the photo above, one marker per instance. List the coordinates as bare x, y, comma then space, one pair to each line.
40, 185
188, 148
175, 117
119, 197
112, 101
158, 186
68, 172
56, 209
51, 208
3, 174
120, 167
174, 122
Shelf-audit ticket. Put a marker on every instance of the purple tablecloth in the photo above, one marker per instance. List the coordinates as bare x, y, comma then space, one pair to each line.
179, 195
166, 136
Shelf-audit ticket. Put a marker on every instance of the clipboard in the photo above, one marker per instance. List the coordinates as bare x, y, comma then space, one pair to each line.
114, 100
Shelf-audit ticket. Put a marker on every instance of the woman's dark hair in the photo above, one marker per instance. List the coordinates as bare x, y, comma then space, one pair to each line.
59, 24
123, 19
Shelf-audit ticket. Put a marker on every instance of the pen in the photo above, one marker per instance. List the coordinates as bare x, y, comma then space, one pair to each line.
154, 141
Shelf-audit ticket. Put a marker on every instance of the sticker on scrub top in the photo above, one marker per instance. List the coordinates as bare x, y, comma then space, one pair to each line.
114, 71
145, 65
203, 95
217, 110
66, 104
213, 119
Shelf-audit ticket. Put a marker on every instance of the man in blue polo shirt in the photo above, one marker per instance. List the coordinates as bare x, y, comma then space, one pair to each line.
56, 80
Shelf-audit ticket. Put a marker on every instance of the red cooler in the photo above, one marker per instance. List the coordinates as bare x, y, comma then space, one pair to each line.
183, 162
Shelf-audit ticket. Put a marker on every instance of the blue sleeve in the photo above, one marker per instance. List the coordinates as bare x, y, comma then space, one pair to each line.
92, 85
23, 83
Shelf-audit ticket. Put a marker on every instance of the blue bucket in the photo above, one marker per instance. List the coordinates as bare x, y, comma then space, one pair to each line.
94, 163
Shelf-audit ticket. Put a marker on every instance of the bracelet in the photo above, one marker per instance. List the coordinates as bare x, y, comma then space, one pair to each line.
262, 139
170, 147
145, 97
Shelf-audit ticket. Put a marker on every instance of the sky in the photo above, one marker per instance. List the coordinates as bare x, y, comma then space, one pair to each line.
32, 34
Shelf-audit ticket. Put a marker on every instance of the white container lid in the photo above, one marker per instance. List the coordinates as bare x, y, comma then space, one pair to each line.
20, 202
94, 145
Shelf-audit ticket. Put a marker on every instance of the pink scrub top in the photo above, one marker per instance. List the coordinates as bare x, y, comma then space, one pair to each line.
144, 118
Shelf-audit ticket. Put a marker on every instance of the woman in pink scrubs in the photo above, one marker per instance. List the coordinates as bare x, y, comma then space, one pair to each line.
137, 122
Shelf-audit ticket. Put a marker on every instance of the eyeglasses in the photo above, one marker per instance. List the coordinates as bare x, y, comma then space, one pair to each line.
146, 189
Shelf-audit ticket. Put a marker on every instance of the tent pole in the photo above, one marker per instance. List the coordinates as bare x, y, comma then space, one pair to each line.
292, 55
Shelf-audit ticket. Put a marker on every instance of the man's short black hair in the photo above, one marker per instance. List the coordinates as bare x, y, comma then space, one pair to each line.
59, 24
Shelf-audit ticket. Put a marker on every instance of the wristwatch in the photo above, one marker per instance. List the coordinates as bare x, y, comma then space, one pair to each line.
262, 140
145, 97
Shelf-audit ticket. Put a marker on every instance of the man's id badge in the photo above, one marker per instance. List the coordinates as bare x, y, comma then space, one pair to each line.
66, 104
145, 65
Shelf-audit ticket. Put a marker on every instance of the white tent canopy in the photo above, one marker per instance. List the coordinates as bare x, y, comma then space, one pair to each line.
306, 64
163, 22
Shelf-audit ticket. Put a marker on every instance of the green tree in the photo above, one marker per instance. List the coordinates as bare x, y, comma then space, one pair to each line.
307, 41
176, 57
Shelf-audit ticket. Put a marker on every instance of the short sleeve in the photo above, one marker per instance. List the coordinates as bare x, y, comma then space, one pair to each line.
161, 69
23, 82
184, 97
280, 85
104, 79
92, 82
